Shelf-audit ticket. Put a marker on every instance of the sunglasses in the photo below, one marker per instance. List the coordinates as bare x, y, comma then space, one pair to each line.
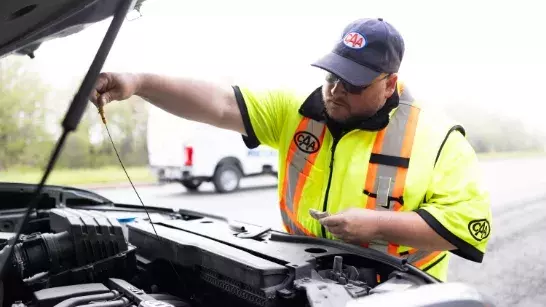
352, 89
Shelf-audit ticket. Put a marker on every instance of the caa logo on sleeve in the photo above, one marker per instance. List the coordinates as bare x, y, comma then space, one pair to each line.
479, 229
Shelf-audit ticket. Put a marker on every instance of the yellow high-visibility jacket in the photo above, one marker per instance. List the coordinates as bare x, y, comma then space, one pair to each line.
420, 162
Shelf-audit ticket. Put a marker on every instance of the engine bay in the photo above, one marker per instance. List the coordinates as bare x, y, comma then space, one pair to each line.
88, 258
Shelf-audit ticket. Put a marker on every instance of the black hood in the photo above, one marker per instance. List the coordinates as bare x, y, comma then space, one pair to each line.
53, 196
15, 194
26, 24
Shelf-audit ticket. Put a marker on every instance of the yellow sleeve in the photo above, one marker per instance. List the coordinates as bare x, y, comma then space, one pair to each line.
457, 205
264, 114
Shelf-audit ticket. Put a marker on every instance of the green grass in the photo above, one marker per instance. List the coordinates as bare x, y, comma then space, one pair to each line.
105, 175
115, 174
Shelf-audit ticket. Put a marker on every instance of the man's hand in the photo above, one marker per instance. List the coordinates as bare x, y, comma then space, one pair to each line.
114, 86
196, 100
360, 226
356, 225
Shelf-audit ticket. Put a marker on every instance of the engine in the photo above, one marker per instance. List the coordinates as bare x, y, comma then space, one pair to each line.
89, 259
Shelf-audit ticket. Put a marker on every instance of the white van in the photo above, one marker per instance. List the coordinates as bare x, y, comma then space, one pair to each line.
192, 153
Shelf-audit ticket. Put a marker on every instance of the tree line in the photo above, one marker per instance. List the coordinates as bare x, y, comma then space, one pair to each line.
31, 115
30, 124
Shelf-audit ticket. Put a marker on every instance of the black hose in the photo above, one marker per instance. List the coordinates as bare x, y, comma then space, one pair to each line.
74, 301
117, 303
44, 252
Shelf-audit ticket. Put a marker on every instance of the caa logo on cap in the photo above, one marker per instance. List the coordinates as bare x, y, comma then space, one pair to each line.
354, 40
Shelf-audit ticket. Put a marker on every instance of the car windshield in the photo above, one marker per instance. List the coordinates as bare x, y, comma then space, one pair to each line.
479, 62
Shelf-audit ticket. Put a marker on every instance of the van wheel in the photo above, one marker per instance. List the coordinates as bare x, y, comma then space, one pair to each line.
191, 185
226, 178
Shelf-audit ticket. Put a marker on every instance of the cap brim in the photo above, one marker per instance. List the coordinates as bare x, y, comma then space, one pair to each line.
346, 69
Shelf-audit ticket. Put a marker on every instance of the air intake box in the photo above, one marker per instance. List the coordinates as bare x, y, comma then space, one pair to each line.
86, 246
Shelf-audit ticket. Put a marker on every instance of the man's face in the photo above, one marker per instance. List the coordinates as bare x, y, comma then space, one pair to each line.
344, 103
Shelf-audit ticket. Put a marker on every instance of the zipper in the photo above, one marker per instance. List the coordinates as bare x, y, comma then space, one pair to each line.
325, 204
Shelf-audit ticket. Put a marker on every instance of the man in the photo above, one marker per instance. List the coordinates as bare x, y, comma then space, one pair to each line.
386, 174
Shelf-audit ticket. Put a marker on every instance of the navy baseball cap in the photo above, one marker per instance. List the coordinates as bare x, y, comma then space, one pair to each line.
368, 47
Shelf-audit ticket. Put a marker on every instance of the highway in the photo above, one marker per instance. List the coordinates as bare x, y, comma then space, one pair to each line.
513, 272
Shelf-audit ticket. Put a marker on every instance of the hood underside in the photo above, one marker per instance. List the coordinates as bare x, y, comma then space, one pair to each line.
26, 24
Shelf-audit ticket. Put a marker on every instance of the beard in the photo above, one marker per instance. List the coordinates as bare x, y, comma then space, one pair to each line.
338, 111
336, 108
350, 110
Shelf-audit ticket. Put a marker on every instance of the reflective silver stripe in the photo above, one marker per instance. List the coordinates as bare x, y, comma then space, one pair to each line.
386, 174
392, 146
288, 223
384, 186
305, 146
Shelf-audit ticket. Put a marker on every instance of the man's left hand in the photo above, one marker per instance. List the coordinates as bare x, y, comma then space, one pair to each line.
355, 225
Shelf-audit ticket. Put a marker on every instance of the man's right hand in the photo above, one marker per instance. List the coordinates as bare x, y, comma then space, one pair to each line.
192, 99
114, 86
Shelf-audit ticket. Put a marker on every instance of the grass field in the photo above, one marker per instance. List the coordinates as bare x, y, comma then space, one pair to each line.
115, 174
105, 175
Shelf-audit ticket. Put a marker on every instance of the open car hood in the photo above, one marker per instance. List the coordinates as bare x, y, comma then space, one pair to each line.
15, 198
17, 195
26, 24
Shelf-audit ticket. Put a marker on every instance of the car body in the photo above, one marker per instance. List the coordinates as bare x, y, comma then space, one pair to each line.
81, 247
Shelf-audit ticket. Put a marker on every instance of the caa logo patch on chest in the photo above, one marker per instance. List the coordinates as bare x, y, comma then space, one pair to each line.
306, 142
354, 40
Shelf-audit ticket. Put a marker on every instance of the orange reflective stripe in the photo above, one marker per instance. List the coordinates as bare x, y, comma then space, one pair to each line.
372, 168
378, 144
287, 228
302, 153
393, 249
400, 181
422, 262
394, 141
387, 181
294, 220
411, 127
305, 174
291, 152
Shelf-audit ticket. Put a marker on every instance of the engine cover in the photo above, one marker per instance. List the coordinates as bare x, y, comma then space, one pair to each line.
267, 268
115, 293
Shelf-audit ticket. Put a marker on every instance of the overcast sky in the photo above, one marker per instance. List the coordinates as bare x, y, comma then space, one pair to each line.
484, 53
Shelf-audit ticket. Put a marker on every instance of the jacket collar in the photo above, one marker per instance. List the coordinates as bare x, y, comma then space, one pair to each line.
313, 107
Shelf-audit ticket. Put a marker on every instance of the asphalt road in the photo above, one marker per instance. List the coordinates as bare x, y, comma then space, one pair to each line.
513, 272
